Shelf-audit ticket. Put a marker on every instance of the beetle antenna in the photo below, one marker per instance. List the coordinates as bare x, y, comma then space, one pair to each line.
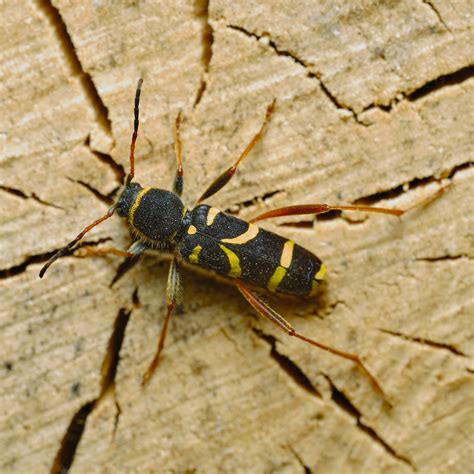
136, 111
60, 253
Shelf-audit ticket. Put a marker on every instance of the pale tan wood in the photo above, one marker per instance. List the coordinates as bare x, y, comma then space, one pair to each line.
354, 117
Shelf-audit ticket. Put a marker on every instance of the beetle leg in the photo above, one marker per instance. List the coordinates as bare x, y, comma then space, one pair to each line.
316, 209
225, 177
263, 309
172, 291
178, 180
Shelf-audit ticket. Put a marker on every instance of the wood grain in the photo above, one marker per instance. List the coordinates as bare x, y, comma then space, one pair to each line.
374, 104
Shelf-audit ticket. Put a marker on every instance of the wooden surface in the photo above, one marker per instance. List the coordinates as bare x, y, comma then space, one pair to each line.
375, 103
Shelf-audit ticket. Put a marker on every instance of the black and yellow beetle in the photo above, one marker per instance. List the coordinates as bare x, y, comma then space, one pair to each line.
219, 242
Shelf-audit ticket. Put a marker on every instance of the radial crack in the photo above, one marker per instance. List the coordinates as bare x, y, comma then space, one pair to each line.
437, 13
117, 168
344, 403
24, 195
67, 46
40, 258
235, 209
413, 184
288, 366
304, 64
106, 199
65, 455
70, 442
446, 80
207, 35
424, 341
306, 469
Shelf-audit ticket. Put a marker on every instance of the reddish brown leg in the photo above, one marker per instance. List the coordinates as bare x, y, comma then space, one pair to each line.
316, 209
172, 291
225, 177
178, 180
136, 111
266, 311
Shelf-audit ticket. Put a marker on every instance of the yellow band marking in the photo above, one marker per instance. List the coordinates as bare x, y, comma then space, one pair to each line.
192, 230
287, 254
321, 272
211, 215
276, 278
235, 270
314, 287
248, 235
136, 203
194, 256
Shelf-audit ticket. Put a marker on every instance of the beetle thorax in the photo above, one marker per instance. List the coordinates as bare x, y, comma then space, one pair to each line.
155, 214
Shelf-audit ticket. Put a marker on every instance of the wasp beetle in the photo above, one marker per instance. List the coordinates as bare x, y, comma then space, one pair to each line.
217, 241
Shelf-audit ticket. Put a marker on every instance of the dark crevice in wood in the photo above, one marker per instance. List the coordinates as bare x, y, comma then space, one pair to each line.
413, 184
455, 78
117, 168
53, 14
70, 442
306, 469
424, 341
40, 258
252, 202
106, 199
311, 74
112, 356
21, 194
344, 404
437, 13
288, 366
65, 456
443, 258
207, 35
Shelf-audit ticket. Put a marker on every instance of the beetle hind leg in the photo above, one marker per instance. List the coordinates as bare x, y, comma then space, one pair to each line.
263, 309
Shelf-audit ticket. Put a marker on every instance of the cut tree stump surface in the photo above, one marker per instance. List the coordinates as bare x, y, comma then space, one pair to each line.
374, 105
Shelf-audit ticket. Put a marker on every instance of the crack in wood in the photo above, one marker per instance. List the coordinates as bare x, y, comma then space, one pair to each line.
454, 78
70, 442
287, 365
424, 341
59, 26
105, 198
306, 469
237, 207
346, 406
311, 74
107, 159
437, 13
41, 258
413, 184
207, 37
25, 195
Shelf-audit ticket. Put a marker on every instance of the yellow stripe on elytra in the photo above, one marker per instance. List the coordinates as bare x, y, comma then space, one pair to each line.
211, 215
235, 270
194, 256
321, 272
287, 254
276, 278
248, 235
317, 278
135, 204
